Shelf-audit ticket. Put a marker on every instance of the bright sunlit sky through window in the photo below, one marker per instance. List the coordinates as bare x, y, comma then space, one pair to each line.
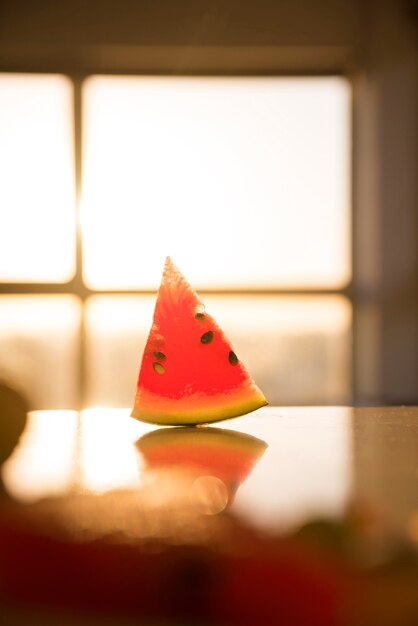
243, 181
37, 197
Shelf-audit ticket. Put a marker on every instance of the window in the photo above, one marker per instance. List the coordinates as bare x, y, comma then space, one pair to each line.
37, 225
245, 182
255, 169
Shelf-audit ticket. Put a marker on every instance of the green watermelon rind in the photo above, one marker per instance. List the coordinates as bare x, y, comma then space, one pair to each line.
150, 407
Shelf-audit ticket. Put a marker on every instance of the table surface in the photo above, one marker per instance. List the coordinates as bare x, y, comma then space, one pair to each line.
304, 463
320, 491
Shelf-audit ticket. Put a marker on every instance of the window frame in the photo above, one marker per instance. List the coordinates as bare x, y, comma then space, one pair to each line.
272, 61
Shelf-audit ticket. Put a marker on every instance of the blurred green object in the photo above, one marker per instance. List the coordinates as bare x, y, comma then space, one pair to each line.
13, 410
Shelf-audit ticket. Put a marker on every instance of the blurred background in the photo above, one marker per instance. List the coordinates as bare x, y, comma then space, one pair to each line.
270, 148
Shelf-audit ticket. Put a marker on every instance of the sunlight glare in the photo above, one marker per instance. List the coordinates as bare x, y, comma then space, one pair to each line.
43, 464
289, 314
317, 439
245, 182
108, 458
37, 197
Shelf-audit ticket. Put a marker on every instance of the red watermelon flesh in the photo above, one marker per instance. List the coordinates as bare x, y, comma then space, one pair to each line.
228, 455
189, 372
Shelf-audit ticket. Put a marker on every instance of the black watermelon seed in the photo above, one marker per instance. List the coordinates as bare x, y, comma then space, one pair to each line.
232, 357
199, 316
160, 356
207, 337
160, 369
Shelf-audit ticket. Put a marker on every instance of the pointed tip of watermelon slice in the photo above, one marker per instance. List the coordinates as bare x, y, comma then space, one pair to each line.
170, 267
172, 274
168, 263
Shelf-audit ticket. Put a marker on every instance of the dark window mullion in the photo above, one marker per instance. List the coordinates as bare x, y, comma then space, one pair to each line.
77, 285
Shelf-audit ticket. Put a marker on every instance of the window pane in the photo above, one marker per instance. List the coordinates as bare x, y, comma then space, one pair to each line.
298, 349
117, 328
37, 218
39, 348
243, 181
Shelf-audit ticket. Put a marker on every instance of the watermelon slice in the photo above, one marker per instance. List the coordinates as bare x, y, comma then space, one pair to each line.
225, 454
189, 372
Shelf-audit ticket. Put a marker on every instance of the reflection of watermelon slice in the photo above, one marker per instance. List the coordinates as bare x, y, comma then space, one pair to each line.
189, 372
227, 455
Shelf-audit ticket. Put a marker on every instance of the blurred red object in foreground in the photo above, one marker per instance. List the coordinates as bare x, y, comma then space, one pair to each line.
232, 576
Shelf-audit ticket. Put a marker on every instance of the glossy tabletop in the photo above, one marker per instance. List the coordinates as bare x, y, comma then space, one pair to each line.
277, 468
230, 524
